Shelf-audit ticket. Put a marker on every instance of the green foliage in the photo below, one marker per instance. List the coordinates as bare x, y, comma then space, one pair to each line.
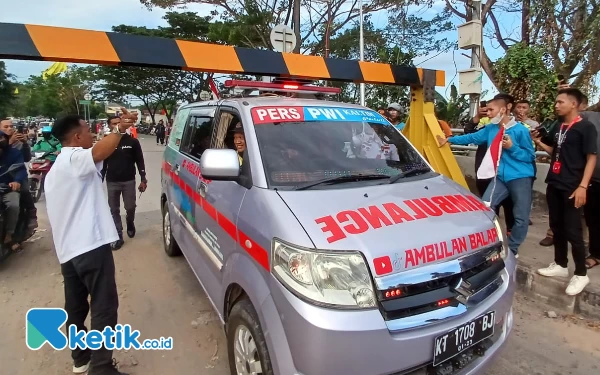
56, 96
7, 90
451, 110
525, 73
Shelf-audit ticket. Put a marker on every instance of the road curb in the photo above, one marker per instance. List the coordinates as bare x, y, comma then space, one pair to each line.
552, 292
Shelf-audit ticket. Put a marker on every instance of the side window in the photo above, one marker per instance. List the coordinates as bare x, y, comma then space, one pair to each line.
178, 128
197, 135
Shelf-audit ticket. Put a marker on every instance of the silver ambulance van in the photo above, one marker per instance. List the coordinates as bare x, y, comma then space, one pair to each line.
327, 244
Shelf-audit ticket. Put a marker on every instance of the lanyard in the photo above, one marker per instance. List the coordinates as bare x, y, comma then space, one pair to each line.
562, 135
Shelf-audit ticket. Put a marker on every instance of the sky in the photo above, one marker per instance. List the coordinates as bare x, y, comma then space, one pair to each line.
102, 15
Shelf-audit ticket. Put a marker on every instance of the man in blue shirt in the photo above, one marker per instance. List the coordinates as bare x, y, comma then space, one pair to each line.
513, 170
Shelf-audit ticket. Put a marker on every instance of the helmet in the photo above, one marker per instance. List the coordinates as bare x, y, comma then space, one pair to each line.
47, 129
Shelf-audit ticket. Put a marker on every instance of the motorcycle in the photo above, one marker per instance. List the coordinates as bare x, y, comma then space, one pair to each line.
38, 169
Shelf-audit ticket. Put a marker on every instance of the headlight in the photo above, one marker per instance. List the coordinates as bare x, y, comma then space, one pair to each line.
339, 280
501, 237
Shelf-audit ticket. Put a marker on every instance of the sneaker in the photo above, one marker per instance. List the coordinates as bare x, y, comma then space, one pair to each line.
111, 369
117, 244
530, 222
577, 284
548, 241
82, 368
554, 270
516, 256
130, 229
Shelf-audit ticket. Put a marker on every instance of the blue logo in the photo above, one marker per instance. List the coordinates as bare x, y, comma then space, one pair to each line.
43, 325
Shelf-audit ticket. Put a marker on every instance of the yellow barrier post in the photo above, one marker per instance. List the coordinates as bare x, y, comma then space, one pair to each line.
422, 128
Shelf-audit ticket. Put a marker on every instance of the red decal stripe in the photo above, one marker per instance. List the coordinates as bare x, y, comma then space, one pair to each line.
257, 252
227, 225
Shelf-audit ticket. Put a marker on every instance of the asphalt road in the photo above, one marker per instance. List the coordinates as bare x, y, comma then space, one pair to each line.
160, 296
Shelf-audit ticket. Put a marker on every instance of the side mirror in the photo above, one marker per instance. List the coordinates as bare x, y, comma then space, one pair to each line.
220, 164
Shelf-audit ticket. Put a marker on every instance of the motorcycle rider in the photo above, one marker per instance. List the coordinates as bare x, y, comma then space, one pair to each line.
18, 141
13, 174
48, 145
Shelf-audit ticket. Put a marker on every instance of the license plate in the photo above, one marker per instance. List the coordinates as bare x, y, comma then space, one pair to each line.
461, 338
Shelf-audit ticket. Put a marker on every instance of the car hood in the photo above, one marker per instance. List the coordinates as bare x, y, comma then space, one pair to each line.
396, 226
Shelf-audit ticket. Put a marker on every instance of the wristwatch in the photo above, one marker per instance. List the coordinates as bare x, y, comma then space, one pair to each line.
116, 130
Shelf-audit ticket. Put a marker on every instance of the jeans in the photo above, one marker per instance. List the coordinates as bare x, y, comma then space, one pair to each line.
160, 138
591, 211
520, 192
115, 189
11, 204
506, 204
565, 222
91, 274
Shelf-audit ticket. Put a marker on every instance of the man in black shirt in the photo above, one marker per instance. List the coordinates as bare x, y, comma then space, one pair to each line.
573, 149
119, 170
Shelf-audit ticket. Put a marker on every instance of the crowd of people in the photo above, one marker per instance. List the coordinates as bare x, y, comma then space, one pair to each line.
506, 134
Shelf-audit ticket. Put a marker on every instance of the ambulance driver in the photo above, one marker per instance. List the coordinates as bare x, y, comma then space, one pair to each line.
239, 141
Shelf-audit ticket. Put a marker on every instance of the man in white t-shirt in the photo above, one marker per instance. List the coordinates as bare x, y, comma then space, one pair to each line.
83, 229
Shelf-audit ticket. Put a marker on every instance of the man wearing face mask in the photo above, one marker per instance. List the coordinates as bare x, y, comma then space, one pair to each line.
510, 144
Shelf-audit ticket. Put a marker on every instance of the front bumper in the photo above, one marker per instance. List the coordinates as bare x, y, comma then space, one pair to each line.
323, 341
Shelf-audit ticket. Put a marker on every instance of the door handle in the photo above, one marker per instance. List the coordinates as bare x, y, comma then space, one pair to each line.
175, 169
202, 189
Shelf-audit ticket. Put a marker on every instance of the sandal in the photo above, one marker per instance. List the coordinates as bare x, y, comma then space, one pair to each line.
13, 246
591, 262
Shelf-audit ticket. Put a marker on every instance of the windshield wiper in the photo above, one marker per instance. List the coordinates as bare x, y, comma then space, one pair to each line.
412, 172
341, 179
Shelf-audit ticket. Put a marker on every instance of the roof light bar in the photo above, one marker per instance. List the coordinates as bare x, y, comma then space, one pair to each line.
281, 87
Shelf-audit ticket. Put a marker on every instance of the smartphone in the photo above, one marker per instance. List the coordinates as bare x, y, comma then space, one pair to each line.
561, 79
542, 132
483, 104
21, 129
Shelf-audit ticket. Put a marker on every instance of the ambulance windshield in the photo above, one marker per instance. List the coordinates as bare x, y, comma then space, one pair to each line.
300, 147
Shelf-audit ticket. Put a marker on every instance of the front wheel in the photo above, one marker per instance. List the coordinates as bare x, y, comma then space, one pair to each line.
246, 345
171, 247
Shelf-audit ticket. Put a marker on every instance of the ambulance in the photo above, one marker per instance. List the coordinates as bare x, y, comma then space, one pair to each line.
327, 244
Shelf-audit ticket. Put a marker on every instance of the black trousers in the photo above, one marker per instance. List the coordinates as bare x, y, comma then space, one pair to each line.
565, 222
127, 189
91, 274
160, 138
507, 204
591, 211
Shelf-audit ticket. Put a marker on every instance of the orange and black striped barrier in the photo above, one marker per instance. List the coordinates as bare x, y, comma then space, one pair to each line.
46, 43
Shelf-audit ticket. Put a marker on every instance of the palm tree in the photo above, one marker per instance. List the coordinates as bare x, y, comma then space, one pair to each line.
454, 110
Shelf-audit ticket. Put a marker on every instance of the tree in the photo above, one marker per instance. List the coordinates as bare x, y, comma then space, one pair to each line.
249, 22
55, 96
451, 110
563, 36
7, 91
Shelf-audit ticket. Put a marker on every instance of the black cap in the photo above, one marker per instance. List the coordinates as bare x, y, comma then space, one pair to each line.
238, 128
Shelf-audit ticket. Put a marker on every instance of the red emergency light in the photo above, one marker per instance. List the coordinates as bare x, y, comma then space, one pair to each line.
281, 87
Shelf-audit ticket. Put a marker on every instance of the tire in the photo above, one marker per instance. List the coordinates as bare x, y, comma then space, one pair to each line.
171, 247
243, 329
35, 189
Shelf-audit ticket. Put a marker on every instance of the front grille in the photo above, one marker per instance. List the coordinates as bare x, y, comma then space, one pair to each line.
441, 292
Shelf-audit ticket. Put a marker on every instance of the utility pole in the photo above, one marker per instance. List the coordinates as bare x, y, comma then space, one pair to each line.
475, 55
296, 20
362, 52
327, 29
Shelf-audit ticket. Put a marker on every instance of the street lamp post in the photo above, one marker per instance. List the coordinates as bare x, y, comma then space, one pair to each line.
362, 52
